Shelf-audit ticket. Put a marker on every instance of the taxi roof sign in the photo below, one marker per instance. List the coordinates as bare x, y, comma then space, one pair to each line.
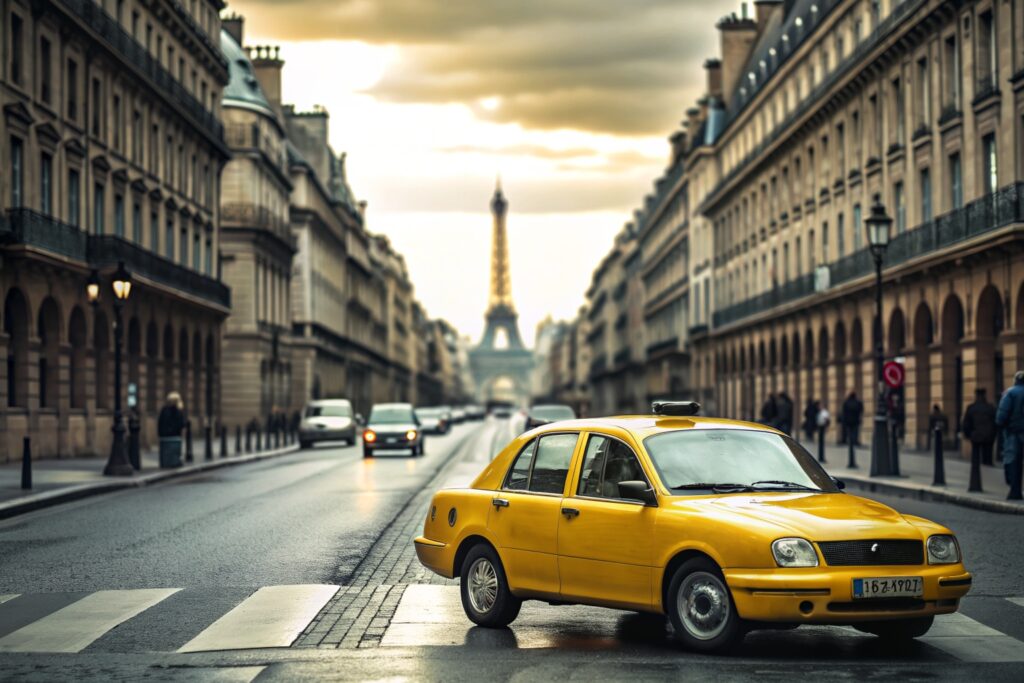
675, 408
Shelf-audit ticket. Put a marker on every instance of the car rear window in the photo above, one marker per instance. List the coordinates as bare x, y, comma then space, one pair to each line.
543, 465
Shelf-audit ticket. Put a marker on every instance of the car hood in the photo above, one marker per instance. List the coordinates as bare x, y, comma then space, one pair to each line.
814, 516
328, 422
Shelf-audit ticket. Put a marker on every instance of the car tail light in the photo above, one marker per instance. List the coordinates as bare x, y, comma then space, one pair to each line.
369, 436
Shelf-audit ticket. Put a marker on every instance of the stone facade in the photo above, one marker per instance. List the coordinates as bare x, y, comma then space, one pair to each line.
111, 143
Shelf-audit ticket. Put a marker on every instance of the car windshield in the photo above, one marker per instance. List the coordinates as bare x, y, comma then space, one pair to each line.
391, 415
329, 410
726, 460
552, 413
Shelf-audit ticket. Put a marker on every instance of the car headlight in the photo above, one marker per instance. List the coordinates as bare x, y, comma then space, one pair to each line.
943, 550
369, 436
794, 552
410, 435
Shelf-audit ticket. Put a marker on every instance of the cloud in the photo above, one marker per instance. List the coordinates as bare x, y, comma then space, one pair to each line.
525, 150
625, 67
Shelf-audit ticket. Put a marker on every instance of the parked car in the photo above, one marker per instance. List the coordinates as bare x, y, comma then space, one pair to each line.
327, 420
475, 412
433, 420
547, 413
458, 415
392, 426
723, 526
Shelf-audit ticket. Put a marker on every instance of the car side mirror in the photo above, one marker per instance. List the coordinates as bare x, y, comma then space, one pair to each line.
637, 490
840, 484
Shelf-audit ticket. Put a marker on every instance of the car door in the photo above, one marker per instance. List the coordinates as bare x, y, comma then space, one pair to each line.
524, 513
605, 542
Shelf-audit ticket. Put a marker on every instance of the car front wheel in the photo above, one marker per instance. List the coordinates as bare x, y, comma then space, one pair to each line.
701, 608
486, 597
897, 629
367, 453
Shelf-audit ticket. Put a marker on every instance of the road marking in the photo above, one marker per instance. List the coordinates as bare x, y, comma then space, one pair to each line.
273, 616
8, 597
74, 627
971, 641
1017, 601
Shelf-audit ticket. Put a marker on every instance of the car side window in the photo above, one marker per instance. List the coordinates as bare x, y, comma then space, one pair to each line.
607, 463
519, 475
551, 464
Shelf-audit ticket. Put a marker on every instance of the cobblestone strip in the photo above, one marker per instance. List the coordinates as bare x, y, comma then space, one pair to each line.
360, 612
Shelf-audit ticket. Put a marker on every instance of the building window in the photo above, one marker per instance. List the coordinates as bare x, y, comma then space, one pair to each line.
841, 235
841, 150
986, 53
46, 69
74, 197
900, 112
858, 237
951, 64
924, 97
46, 184
798, 254
990, 170
98, 209
118, 123
97, 103
183, 245
154, 231
72, 90
196, 250
119, 215
169, 236
824, 243
137, 136
900, 201
956, 187
17, 171
876, 122
17, 49
208, 257
926, 195
137, 222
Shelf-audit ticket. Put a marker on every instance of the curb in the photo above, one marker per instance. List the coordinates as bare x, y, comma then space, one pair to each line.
20, 506
929, 493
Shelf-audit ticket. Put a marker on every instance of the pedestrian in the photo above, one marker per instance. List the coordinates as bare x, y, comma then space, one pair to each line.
769, 411
811, 419
1010, 419
823, 418
784, 413
979, 426
850, 416
169, 426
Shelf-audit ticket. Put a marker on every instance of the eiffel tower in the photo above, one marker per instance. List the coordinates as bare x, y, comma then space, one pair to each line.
501, 353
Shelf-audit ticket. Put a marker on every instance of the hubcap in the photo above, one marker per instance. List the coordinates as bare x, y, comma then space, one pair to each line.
482, 585
703, 605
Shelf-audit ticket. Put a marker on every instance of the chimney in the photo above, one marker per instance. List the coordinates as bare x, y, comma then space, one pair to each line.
737, 39
233, 24
267, 63
765, 10
692, 120
678, 142
714, 69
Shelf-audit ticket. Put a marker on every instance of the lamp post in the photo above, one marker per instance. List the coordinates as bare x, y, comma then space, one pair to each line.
117, 464
878, 226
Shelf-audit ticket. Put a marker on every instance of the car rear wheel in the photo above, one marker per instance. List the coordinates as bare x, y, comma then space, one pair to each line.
898, 629
486, 597
701, 608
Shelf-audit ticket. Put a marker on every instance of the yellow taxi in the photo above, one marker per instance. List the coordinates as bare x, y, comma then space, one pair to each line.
724, 526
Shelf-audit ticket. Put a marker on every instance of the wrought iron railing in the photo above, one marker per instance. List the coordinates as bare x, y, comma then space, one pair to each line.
663, 345
31, 228
598, 365
621, 357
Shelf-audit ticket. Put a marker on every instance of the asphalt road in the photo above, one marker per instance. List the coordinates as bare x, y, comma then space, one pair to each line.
313, 517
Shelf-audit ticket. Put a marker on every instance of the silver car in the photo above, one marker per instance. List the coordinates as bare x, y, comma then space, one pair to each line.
331, 419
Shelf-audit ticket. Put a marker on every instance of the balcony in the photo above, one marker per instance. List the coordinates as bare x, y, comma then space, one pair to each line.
621, 357
257, 217
33, 229
598, 365
981, 216
137, 58
985, 88
670, 344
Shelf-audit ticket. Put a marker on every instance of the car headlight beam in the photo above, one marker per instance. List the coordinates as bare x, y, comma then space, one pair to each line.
942, 549
794, 552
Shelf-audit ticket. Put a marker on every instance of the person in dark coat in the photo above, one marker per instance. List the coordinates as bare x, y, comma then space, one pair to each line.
769, 411
979, 426
851, 416
810, 425
1010, 418
784, 413
169, 425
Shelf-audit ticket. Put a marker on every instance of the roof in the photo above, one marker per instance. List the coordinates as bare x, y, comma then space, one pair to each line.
642, 426
243, 89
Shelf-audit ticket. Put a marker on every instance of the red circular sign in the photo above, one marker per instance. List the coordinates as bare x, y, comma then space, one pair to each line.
893, 373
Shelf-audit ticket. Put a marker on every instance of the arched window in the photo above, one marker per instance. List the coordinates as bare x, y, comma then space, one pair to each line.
49, 354
101, 347
77, 338
16, 322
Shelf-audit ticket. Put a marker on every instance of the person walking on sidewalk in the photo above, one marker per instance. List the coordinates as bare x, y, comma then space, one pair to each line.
169, 425
810, 425
769, 411
850, 417
784, 414
1010, 418
979, 426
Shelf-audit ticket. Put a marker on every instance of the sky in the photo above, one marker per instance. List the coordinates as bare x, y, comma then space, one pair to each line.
570, 102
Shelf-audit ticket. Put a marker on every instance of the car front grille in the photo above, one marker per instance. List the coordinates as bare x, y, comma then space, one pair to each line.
867, 553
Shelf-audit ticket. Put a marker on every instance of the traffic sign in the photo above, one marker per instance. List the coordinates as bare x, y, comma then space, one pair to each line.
893, 374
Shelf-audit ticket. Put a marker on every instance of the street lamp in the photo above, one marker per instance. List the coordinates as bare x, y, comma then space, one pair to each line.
117, 464
878, 226
92, 288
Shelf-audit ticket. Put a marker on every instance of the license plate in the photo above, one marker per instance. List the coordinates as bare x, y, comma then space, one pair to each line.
889, 587
392, 439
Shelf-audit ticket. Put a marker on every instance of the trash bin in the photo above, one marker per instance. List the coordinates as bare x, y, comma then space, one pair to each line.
170, 451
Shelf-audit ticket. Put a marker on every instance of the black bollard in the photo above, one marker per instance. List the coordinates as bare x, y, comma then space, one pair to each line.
208, 443
133, 441
975, 484
26, 465
940, 466
188, 441
238, 439
223, 441
821, 445
851, 460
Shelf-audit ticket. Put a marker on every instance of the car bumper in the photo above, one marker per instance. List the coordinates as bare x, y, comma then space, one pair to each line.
400, 445
435, 556
824, 595
312, 435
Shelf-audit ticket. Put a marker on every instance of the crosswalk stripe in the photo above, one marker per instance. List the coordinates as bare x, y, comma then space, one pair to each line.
273, 616
7, 597
971, 641
74, 627
1017, 601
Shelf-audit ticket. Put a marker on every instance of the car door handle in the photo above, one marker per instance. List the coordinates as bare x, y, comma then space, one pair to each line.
499, 502
570, 512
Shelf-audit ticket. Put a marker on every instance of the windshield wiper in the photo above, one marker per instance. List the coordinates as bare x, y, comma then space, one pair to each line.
776, 483
717, 488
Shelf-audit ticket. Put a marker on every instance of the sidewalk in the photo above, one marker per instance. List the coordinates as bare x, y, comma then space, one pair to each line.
56, 481
917, 471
